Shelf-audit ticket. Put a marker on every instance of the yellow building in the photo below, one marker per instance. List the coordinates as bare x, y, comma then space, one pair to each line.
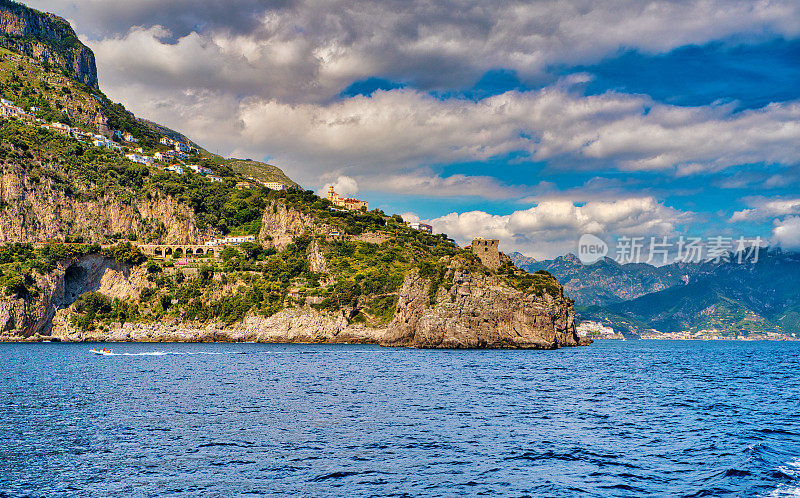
349, 203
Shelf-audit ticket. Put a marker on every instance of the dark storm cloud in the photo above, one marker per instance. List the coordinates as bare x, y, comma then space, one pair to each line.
441, 45
108, 18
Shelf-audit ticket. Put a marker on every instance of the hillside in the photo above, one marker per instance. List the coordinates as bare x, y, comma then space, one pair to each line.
259, 171
733, 299
111, 228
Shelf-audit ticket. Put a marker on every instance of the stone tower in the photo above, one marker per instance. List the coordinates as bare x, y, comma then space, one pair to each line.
488, 251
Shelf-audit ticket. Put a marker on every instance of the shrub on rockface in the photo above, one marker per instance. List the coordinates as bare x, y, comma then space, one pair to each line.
93, 307
125, 253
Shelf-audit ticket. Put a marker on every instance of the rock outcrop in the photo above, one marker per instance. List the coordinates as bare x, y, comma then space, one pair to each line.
476, 311
32, 317
47, 38
281, 223
479, 311
36, 210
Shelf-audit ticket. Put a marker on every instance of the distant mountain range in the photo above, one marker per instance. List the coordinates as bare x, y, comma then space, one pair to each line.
730, 298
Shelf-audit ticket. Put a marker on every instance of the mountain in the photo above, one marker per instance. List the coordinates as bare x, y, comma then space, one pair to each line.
734, 299
109, 233
607, 281
521, 261
259, 171
47, 38
728, 299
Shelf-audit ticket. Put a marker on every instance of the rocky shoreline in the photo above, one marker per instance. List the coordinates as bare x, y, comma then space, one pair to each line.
477, 311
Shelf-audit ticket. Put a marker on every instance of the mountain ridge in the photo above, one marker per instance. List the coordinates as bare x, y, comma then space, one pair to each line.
728, 299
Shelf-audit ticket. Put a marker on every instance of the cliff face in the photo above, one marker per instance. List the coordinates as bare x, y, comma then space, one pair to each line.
478, 311
47, 38
281, 223
37, 210
32, 317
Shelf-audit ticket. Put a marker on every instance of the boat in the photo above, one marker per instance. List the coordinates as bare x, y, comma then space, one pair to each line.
103, 351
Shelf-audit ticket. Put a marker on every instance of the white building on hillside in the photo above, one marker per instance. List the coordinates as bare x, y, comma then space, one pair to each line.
422, 227
275, 185
136, 158
199, 169
231, 240
182, 147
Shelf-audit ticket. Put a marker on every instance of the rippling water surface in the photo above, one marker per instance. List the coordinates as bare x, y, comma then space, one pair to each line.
612, 419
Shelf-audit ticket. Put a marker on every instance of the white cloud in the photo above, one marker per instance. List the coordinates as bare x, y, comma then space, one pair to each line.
343, 185
410, 217
786, 233
397, 132
425, 183
552, 228
766, 208
258, 78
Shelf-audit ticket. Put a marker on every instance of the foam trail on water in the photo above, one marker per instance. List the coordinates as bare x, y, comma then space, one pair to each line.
174, 353
191, 353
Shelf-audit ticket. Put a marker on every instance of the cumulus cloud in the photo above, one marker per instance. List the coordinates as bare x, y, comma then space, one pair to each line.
261, 78
400, 131
552, 228
786, 233
427, 184
343, 185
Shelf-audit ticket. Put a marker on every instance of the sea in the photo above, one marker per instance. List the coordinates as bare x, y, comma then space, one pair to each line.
617, 418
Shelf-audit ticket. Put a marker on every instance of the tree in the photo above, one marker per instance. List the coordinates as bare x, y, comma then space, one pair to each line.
251, 249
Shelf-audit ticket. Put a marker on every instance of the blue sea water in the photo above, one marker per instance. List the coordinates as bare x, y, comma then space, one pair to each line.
663, 418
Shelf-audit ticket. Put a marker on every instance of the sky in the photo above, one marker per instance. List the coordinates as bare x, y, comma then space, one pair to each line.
532, 122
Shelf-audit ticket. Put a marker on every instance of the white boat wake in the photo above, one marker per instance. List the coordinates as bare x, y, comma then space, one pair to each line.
166, 353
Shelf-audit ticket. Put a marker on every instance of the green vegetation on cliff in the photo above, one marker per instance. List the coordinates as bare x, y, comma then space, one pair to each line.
87, 172
19, 263
49, 38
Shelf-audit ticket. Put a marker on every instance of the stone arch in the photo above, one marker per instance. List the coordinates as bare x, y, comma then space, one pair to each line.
179, 252
157, 251
168, 251
199, 251
189, 252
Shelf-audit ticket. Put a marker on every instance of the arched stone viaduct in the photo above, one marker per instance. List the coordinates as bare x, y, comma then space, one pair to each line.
182, 250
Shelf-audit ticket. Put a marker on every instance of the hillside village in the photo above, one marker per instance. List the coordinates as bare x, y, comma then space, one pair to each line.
173, 156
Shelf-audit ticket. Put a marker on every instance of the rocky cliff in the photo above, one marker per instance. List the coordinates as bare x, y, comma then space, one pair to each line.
47, 38
35, 209
281, 223
477, 311
32, 317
